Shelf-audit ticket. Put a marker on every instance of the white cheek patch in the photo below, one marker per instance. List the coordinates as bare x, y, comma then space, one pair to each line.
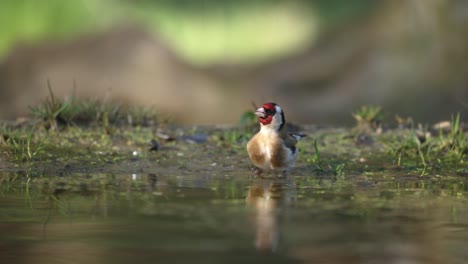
278, 110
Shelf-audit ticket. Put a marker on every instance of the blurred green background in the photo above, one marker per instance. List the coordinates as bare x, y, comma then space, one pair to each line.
203, 31
320, 59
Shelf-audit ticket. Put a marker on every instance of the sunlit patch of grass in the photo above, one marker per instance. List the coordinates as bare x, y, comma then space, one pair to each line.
454, 142
443, 150
52, 110
403, 121
325, 152
368, 118
233, 138
23, 144
322, 166
57, 112
316, 159
31, 149
410, 147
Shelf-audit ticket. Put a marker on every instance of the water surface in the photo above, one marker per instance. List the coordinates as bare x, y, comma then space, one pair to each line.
232, 218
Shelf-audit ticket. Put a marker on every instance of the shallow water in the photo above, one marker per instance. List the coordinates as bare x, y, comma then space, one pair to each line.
232, 218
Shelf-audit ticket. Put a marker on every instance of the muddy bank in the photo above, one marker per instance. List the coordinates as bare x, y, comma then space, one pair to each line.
216, 150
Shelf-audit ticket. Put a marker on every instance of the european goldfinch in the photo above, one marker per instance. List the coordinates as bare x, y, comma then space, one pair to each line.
272, 148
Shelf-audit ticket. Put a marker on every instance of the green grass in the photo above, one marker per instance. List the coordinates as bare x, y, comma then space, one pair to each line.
24, 145
96, 134
336, 168
316, 159
429, 150
368, 116
56, 112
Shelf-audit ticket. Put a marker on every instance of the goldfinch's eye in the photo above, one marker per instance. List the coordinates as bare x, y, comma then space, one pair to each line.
269, 112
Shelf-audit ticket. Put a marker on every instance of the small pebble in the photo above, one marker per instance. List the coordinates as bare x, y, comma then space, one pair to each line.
154, 145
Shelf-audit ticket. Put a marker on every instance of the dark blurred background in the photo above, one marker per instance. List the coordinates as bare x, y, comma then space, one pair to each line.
205, 61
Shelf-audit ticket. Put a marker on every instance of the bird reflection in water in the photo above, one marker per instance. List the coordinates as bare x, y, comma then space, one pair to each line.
266, 197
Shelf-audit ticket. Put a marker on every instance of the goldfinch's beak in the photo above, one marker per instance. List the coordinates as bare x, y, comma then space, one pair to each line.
260, 112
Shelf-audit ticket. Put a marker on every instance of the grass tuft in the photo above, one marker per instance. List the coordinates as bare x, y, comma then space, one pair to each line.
24, 145
55, 113
418, 145
369, 118
336, 169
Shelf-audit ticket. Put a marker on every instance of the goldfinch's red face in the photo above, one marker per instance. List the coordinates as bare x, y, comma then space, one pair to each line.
270, 116
266, 112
